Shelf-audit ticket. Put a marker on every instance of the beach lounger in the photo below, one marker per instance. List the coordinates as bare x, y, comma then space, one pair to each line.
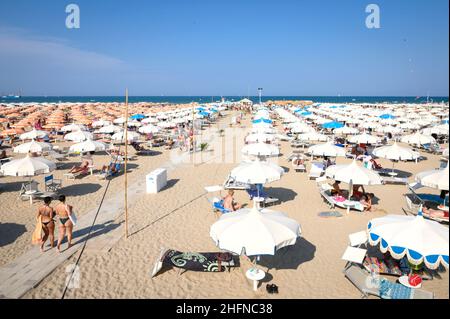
111, 173
217, 205
298, 167
258, 191
140, 150
316, 170
230, 183
30, 191
325, 192
415, 202
382, 287
394, 180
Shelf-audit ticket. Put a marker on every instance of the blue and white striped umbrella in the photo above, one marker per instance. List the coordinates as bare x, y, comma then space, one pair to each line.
419, 239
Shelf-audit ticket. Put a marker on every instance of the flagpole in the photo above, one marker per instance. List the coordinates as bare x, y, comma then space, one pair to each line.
126, 163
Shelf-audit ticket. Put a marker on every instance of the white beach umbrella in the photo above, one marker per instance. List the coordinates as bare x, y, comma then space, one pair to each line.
409, 126
257, 172
439, 130
78, 136
254, 232
120, 136
149, 120
346, 130
73, 127
261, 149
437, 179
418, 239
134, 124
32, 147
100, 123
364, 139
110, 129
168, 124
313, 136
370, 125
389, 129
353, 173
119, 120
27, 166
88, 146
418, 139
33, 134
260, 137
147, 129
327, 149
396, 152
263, 130
299, 129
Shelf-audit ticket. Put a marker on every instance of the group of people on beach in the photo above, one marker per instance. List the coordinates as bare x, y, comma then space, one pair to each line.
48, 216
359, 194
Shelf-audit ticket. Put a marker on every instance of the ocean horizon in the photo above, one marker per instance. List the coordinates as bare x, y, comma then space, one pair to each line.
208, 99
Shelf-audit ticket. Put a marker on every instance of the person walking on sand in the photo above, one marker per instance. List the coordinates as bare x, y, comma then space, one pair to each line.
46, 213
65, 224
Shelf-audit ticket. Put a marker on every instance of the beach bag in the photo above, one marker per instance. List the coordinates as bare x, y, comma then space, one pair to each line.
72, 216
36, 237
414, 280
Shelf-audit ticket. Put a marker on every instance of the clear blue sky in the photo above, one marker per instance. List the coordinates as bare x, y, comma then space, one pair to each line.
224, 47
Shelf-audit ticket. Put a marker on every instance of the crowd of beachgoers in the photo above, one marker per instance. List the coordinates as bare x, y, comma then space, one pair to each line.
325, 200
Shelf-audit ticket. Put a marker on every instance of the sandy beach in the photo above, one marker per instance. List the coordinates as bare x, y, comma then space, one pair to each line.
180, 217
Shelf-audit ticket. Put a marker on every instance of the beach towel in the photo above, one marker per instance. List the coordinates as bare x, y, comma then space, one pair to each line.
386, 266
193, 261
36, 237
329, 214
390, 290
339, 199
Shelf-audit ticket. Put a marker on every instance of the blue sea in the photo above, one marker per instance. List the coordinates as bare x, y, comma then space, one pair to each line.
207, 99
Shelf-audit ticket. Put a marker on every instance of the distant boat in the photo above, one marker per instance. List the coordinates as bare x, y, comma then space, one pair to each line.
11, 96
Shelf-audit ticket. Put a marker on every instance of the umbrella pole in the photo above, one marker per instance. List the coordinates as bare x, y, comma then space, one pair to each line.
126, 163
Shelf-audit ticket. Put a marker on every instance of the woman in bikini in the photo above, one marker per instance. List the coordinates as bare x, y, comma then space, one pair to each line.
48, 225
65, 225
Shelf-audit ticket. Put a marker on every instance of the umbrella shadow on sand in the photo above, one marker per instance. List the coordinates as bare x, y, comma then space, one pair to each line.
80, 189
9, 232
283, 194
97, 230
290, 257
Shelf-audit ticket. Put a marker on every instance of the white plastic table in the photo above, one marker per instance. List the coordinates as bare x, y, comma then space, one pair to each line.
405, 282
258, 201
255, 275
348, 204
393, 174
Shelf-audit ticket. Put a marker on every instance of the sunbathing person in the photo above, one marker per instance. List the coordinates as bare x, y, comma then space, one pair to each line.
366, 201
336, 191
111, 168
82, 168
3, 155
229, 203
298, 161
169, 144
356, 193
435, 212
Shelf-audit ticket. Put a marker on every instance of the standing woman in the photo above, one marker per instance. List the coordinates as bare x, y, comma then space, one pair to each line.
65, 224
48, 225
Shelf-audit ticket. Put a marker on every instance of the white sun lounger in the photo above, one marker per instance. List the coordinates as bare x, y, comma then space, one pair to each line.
362, 280
316, 170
